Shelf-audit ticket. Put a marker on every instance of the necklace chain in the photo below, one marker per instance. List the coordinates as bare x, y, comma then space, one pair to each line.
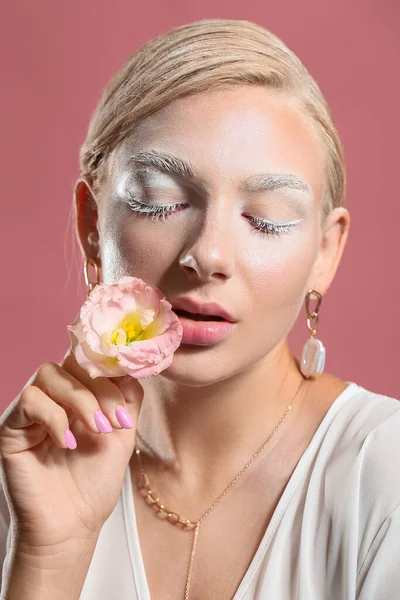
174, 518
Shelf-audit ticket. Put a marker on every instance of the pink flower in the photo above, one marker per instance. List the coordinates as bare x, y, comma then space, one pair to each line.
126, 328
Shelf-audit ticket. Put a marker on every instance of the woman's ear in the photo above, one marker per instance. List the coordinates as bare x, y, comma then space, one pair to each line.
86, 213
333, 241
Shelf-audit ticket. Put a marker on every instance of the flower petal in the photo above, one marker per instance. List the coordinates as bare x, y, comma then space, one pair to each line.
127, 328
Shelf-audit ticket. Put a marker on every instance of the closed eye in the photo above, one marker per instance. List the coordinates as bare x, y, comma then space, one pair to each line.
161, 212
270, 228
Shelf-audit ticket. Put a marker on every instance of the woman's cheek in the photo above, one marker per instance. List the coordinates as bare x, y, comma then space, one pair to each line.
138, 249
280, 278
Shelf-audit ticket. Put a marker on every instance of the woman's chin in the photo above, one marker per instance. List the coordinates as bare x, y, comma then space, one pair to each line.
193, 366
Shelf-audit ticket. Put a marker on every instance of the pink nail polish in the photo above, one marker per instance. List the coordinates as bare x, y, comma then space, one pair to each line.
102, 423
124, 418
70, 439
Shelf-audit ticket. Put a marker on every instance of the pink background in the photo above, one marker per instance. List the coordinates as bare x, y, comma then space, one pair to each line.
56, 59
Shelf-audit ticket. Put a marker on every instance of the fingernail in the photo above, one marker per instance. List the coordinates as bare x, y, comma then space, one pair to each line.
124, 418
70, 439
102, 423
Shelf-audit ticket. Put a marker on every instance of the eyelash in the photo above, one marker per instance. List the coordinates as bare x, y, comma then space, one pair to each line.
163, 212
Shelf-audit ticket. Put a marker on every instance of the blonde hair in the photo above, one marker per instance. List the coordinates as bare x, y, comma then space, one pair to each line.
198, 57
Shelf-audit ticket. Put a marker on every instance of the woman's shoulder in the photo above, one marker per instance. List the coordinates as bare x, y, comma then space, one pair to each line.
369, 418
359, 423
376, 425
353, 492
364, 424
361, 450
369, 408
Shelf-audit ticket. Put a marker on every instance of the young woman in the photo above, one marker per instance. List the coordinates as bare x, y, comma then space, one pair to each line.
212, 169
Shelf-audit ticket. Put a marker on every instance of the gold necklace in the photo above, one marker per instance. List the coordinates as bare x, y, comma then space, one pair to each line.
172, 517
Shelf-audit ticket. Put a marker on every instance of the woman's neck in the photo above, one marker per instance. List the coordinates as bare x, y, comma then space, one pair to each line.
199, 435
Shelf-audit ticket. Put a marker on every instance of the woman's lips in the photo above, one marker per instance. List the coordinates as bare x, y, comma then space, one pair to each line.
186, 303
202, 333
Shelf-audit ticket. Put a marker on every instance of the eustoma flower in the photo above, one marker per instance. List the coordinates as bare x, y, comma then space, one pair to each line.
126, 328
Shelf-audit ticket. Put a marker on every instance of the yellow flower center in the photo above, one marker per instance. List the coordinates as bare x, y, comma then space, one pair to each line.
130, 330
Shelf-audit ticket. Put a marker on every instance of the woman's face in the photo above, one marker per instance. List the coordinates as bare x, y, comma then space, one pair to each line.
256, 160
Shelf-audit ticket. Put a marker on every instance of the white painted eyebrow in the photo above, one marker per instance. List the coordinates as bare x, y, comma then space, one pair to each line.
173, 165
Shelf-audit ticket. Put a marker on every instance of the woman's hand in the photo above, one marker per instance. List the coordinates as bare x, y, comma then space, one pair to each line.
59, 497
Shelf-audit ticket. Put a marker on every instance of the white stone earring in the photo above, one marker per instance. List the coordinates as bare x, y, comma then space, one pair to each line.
314, 353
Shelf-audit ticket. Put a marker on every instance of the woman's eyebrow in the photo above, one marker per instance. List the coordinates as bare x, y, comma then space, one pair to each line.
173, 165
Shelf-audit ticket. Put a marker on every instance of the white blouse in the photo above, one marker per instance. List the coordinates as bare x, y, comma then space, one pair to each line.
334, 535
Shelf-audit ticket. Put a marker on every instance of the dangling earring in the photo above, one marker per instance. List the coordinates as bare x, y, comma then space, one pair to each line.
90, 284
314, 353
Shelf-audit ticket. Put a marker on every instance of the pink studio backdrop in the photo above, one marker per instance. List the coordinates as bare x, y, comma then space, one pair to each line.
58, 56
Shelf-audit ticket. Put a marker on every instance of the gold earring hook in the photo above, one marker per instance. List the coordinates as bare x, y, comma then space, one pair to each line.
90, 284
314, 314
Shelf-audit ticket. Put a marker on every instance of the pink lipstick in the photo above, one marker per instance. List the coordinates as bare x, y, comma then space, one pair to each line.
202, 323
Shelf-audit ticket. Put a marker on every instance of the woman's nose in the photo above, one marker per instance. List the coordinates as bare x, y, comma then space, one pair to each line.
210, 255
